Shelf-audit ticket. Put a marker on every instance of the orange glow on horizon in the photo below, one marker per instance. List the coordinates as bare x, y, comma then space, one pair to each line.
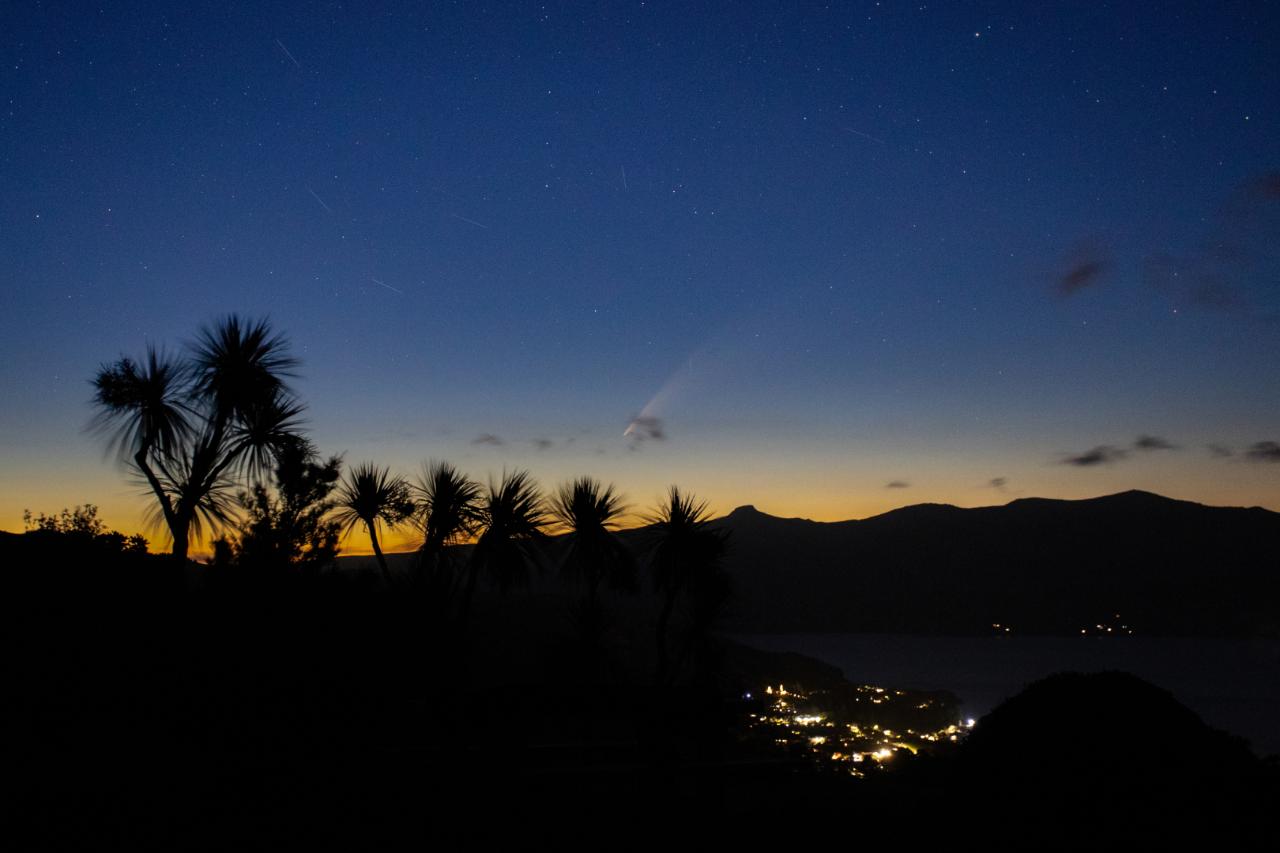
804, 494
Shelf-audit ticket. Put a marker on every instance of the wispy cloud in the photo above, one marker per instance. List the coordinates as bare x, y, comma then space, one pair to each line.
1219, 451
998, 483
1084, 266
488, 438
897, 484
1081, 276
1237, 248
1264, 187
542, 443
1152, 442
1108, 454
1103, 454
1264, 451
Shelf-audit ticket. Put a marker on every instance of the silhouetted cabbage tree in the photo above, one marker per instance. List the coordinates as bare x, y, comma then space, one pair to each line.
448, 514
588, 512
511, 518
373, 496
194, 426
685, 560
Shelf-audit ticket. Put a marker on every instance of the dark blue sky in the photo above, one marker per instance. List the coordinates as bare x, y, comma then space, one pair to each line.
844, 246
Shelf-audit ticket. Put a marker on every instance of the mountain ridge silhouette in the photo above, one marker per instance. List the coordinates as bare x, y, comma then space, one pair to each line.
1150, 563
1038, 565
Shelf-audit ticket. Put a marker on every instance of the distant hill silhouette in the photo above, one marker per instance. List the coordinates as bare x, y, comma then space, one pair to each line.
1038, 565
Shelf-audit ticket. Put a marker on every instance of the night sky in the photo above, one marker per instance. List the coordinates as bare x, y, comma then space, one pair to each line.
837, 259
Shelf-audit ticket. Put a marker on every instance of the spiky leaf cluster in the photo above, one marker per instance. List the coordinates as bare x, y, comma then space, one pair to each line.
196, 425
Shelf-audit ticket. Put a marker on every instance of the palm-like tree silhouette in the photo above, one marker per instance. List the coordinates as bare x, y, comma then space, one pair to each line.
589, 513
264, 430
510, 521
449, 514
685, 558
189, 426
372, 496
143, 405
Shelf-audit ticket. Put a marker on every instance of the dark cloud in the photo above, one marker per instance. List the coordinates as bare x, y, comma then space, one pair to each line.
1103, 454
542, 444
1237, 249
1264, 451
1084, 266
645, 428
1192, 280
487, 438
1219, 452
998, 483
1106, 454
1264, 187
1081, 276
1152, 442
897, 484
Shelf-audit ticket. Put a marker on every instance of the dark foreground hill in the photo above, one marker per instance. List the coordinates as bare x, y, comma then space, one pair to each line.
264, 712
1157, 565
1099, 760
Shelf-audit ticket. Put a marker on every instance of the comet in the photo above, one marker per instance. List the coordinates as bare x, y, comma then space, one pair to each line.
648, 424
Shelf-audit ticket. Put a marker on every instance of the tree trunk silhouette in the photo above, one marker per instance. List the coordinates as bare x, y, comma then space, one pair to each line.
468, 592
377, 551
176, 527
668, 604
181, 542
